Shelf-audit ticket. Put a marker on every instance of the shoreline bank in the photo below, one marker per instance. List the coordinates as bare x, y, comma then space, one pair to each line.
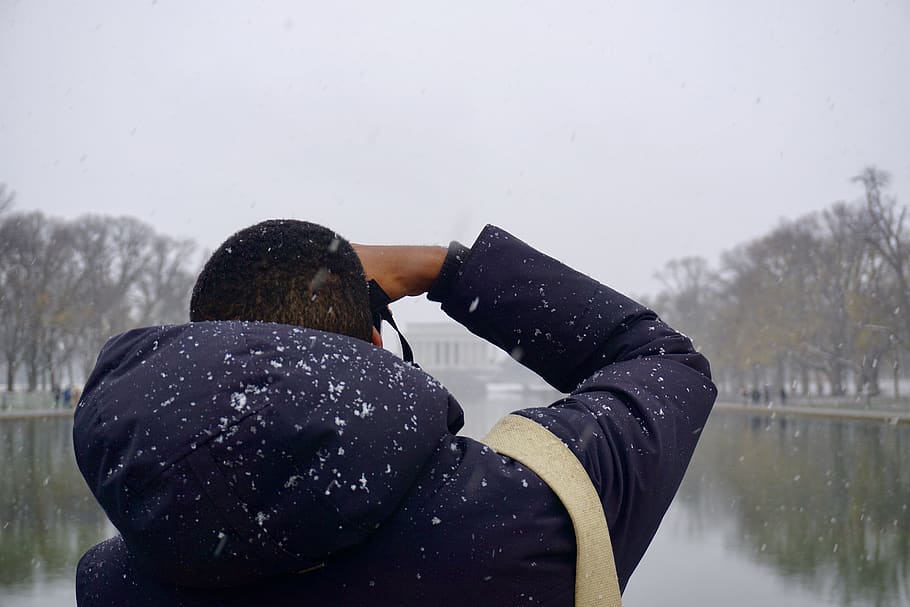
870, 415
12, 414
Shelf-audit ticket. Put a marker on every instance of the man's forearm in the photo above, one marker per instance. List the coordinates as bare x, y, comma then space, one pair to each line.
401, 270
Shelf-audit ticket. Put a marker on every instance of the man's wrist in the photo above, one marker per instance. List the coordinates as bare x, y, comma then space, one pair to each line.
425, 265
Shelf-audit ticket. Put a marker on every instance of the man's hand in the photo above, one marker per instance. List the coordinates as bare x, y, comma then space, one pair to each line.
401, 270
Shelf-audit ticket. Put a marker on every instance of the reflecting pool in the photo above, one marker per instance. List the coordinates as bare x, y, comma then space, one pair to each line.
782, 511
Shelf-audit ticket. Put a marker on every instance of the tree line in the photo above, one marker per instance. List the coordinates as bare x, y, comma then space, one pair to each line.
68, 285
820, 305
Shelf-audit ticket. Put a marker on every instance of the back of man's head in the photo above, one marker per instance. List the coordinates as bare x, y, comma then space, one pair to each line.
285, 271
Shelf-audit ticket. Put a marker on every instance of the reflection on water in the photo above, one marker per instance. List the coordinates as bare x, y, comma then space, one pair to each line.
820, 504
784, 511
47, 516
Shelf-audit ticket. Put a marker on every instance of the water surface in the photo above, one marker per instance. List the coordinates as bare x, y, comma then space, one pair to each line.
784, 511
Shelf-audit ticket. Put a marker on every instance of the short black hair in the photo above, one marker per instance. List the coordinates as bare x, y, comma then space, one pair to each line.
286, 271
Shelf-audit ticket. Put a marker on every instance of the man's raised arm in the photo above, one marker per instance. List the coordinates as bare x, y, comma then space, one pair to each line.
639, 393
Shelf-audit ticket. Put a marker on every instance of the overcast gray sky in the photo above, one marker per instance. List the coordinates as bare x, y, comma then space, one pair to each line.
615, 136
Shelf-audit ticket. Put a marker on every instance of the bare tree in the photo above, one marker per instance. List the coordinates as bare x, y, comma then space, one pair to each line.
12, 283
31, 265
883, 227
163, 287
110, 256
691, 300
7, 198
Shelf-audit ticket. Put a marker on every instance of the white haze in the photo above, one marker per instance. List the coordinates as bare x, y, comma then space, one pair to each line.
615, 136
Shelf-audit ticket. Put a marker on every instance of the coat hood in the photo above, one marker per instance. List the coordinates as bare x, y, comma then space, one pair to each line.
225, 452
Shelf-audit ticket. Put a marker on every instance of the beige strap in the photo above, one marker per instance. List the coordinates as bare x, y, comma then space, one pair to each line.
546, 455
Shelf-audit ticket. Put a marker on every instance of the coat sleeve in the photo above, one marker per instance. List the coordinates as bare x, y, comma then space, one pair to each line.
638, 394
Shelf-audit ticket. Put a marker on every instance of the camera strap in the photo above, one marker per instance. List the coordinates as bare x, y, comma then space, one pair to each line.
379, 307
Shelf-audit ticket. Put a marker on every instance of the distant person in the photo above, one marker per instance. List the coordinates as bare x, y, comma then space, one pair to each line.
756, 395
783, 395
293, 461
67, 396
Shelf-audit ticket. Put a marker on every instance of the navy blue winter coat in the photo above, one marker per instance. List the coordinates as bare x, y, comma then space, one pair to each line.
264, 464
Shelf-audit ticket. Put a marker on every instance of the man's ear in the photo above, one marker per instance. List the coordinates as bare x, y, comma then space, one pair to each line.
376, 338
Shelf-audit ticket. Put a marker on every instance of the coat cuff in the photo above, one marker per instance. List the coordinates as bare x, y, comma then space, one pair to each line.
449, 273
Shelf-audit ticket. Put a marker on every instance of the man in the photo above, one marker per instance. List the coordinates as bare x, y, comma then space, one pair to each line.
292, 461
